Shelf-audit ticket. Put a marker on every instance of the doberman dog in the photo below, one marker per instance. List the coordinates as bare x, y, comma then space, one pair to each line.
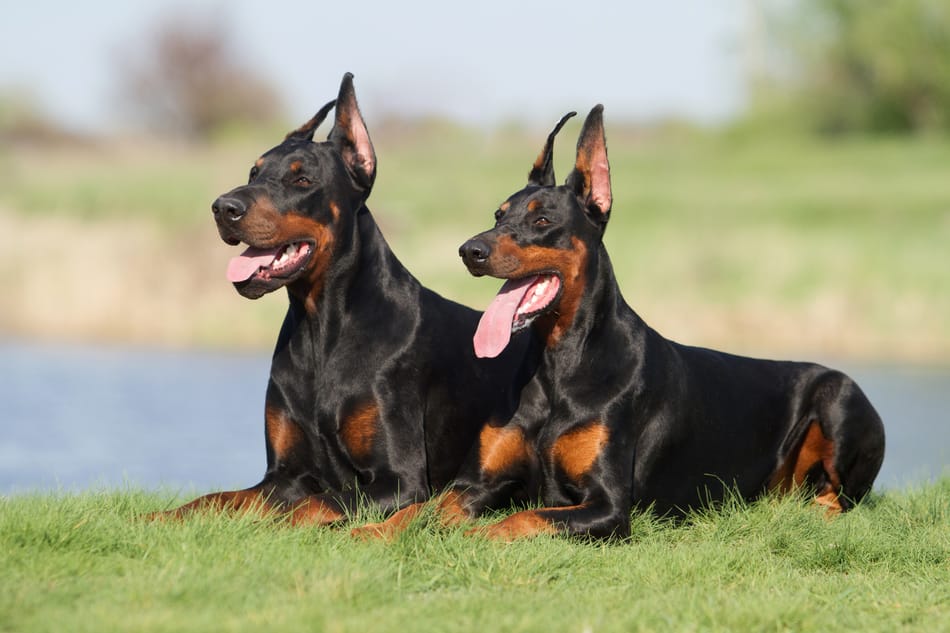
375, 393
616, 416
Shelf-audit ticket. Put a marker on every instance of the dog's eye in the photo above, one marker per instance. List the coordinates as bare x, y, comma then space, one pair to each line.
499, 214
541, 221
303, 181
254, 171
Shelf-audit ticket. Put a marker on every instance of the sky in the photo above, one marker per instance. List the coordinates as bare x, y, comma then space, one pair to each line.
478, 62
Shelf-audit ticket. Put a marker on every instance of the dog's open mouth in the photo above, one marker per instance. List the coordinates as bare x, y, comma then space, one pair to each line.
517, 304
268, 263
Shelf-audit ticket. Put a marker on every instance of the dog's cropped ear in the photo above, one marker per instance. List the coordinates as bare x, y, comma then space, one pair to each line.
351, 138
590, 178
305, 131
542, 172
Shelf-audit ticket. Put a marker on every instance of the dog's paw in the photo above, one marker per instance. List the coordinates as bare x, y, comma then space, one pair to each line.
374, 532
519, 525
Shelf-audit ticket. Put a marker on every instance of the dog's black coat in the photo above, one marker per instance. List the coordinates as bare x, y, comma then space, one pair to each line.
374, 389
617, 416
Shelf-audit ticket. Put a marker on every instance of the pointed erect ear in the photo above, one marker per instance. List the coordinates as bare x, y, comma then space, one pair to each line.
590, 179
351, 138
542, 172
305, 131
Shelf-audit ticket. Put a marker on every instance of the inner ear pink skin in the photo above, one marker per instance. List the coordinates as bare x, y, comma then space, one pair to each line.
600, 184
364, 148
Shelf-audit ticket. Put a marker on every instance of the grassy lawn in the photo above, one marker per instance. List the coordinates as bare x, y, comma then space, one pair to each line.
85, 562
797, 248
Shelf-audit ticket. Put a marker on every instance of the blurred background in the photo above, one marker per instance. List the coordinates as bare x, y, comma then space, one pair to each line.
780, 170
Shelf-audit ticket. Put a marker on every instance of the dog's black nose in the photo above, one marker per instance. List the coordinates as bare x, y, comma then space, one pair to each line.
225, 208
474, 251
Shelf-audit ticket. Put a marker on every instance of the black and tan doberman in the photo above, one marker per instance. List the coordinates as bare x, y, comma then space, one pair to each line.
375, 393
618, 417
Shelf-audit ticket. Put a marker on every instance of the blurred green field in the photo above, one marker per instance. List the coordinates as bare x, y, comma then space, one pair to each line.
790, 248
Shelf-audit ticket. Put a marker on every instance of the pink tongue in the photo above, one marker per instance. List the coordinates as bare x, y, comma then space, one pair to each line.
248, 262
494, 329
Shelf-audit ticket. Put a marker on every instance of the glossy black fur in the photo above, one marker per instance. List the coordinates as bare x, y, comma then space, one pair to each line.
683, 424
362, 335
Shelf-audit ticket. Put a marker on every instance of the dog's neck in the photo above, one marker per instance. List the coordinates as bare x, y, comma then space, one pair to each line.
365, 275
602, 319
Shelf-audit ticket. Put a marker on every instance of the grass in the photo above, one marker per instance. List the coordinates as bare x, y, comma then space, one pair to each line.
85, 562
788, 247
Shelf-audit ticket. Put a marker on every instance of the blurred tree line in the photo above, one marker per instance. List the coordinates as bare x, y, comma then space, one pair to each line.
851, 66
826, 66
184, 77
187, 78
817, 66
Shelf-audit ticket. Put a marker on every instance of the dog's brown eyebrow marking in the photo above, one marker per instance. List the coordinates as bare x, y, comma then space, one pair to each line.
533, 205
259, 162
296, 166
505, 206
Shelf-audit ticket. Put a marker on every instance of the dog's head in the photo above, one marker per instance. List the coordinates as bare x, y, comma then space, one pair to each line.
300, 197
542, 239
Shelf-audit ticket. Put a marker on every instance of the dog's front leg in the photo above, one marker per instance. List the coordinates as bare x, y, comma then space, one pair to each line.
601, 519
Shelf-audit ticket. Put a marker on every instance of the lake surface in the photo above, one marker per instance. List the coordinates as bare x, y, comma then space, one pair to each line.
74, 417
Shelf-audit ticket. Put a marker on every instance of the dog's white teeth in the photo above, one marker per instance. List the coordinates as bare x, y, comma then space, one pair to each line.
533, 299
286, 255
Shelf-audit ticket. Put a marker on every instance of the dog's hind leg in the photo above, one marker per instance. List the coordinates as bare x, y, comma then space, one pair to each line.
841, 447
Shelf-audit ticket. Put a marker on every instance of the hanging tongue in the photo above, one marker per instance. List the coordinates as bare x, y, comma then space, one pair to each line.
494, 328
249, 262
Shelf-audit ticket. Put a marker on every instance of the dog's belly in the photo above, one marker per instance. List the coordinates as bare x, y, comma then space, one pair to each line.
719, 427
692, 462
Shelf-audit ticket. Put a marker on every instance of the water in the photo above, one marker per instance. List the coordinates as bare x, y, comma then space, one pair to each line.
74, 417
